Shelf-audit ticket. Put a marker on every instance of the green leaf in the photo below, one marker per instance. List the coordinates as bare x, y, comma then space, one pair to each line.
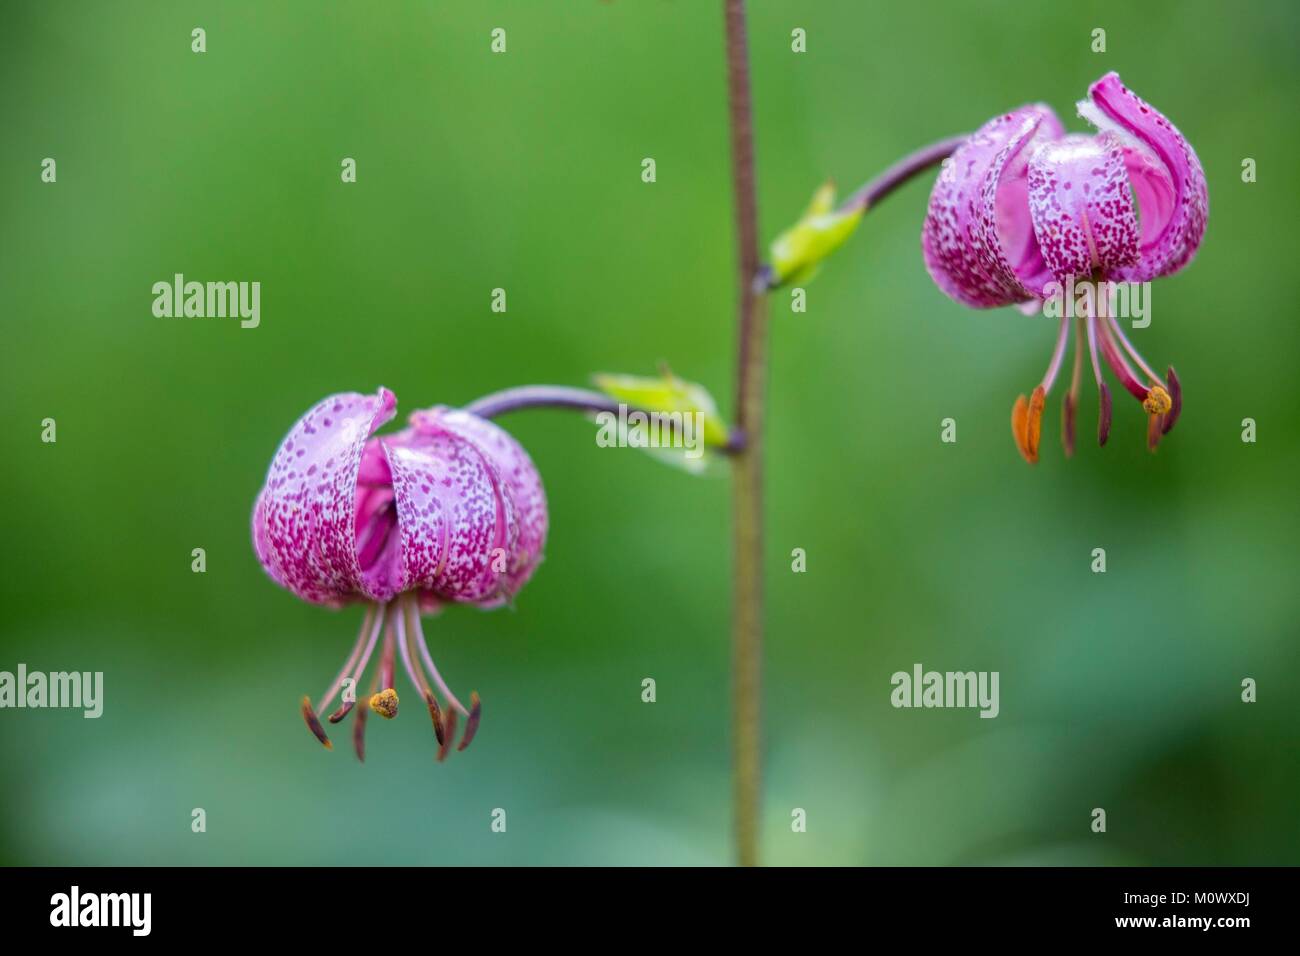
667, 394
797, 254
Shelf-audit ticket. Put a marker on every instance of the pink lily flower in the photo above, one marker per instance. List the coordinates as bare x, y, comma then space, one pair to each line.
450, 509
1022, 209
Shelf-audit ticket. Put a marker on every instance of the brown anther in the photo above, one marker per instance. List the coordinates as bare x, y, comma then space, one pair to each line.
1176, 397
1068, 408
1103, 414
385, 703
359, 734
1154, 431
448, 733
343, 711
313, 723
435, 712
1157, 401
471, 725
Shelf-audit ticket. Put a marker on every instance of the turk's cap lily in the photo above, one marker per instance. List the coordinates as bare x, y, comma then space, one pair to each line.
1022, 208
449, 509
349, 516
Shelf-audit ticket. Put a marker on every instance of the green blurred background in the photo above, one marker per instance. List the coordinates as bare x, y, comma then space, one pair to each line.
522, 171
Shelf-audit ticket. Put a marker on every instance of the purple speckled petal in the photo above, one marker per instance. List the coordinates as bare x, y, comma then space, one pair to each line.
522, 483
978, 239
452, 515
1082, 207
261, 542
304, 530
1173, 199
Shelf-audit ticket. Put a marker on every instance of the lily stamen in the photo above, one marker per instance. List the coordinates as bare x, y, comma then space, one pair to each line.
471, 725
413, 672
385, 702
1170, 385
1154, 430
444, 724
1176, 399
1133, 353
1119, 365
1103, 390
328, 697
370, 628
344, 709
1058, 356
1155, 400
408, 613
1027, 415
359, 729
313, 723
448, 734
1071, 403
435, 714
433, 668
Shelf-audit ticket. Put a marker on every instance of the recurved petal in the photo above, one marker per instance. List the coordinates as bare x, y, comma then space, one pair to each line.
261, 544
1167, 177
457, 527
521, 483
304, 529
1081, 206
978, 238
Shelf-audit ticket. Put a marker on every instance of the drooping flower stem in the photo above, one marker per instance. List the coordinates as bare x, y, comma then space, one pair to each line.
747, 472
541, 396
562, 396
770, 276
902, 171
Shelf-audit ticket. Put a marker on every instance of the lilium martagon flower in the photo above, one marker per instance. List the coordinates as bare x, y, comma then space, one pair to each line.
1022, 209
448, 510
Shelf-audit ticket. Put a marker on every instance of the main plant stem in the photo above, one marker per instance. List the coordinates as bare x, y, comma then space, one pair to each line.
747, 463
745, 444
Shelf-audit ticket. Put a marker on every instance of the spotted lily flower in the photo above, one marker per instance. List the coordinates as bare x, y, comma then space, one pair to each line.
1022, 209
449, 509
